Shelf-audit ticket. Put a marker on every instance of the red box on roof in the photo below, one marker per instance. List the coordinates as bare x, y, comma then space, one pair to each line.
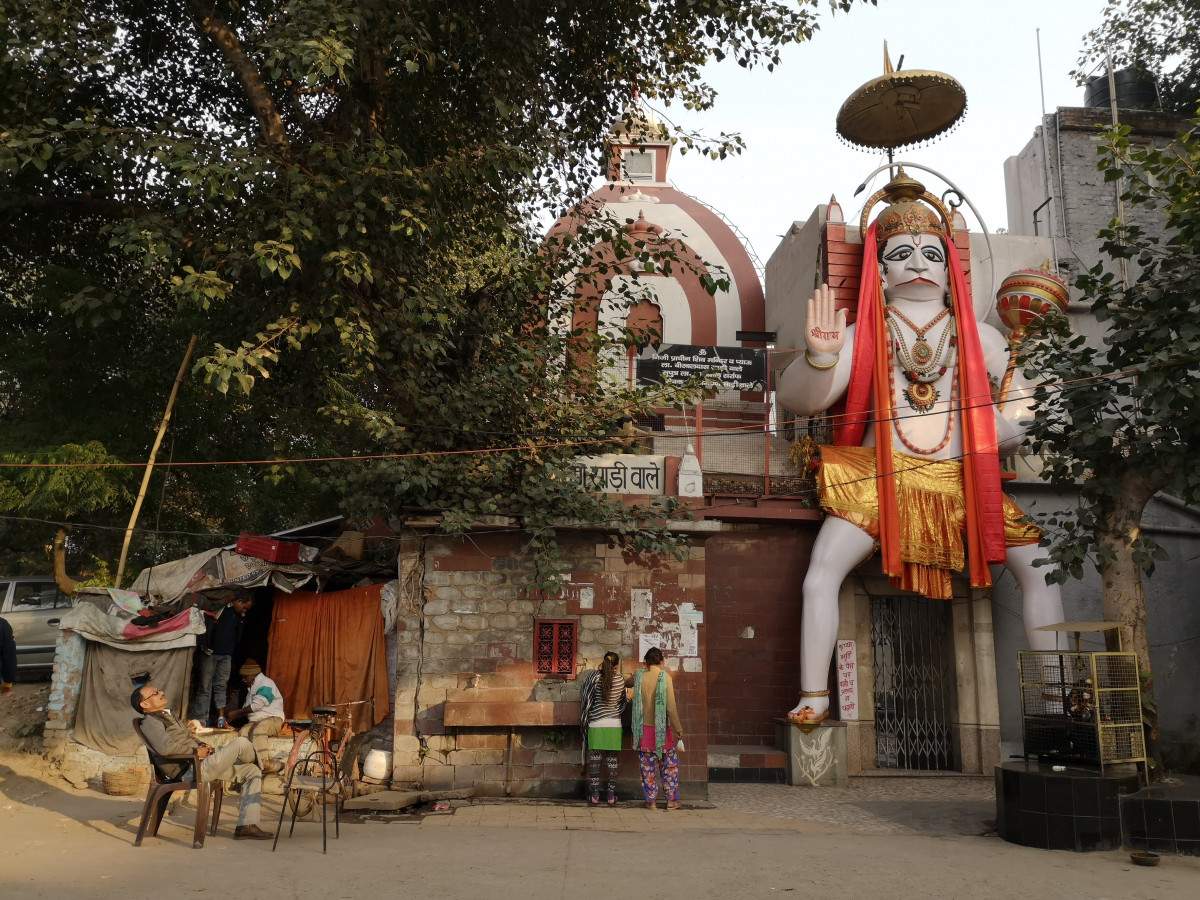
271, 549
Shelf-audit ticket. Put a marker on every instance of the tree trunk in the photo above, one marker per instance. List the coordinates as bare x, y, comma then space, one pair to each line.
1124, 598
64, 582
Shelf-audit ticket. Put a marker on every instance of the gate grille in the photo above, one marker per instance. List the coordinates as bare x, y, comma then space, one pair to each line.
913, 683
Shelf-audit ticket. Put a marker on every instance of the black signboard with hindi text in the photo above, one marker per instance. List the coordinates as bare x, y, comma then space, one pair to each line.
738, 368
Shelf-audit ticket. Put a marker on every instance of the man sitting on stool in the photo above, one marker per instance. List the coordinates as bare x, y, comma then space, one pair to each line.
236, 762
263, 709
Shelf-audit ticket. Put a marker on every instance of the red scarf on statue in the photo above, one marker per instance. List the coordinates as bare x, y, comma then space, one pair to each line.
869, 383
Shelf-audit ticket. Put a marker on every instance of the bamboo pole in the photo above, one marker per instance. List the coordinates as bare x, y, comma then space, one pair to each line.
162, 430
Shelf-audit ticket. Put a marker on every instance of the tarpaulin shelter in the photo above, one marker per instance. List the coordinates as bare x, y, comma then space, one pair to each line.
118, 653
321, 649
167, 583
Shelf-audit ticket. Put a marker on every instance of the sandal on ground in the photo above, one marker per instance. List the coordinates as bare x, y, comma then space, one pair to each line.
594, 800
675, 805
612, 799
650, 805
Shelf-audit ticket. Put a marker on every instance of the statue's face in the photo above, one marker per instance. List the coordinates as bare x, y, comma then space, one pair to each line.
913, 267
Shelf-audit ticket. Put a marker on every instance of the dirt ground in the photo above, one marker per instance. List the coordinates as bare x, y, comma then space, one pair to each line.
57, 840
21, 718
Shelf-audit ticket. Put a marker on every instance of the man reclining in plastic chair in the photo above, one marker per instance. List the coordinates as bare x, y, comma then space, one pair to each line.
236, 762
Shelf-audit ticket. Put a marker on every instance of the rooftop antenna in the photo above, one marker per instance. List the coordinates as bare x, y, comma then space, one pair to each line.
1112, 105
1046, 161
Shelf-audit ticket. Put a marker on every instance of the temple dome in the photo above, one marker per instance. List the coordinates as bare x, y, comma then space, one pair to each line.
638, 122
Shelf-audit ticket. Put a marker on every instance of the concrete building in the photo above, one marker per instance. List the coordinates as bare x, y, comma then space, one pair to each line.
488, 672
1053, 187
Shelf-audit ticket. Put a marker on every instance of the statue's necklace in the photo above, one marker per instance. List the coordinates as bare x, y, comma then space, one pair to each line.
923, 451
922, 365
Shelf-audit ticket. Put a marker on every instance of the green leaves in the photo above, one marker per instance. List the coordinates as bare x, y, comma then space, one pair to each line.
276, 258
66, 480
345, 201
1120, 419
200, 288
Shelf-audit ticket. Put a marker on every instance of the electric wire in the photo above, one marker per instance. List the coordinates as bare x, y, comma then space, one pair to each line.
870, 416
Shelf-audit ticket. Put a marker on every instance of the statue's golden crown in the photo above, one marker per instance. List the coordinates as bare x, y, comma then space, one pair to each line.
908, 216
910, 210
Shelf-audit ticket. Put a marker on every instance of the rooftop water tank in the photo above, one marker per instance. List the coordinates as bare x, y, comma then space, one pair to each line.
1135, 90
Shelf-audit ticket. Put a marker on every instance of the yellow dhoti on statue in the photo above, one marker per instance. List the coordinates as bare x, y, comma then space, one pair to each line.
929, 495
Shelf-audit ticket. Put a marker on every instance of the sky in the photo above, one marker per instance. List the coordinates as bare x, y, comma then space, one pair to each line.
794, 159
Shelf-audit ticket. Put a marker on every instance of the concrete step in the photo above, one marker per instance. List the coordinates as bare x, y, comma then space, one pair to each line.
746, 763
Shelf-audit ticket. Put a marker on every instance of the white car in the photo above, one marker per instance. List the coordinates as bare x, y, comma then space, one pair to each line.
32, 606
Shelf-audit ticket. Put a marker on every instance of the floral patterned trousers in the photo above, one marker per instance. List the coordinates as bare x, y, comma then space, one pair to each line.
670, 774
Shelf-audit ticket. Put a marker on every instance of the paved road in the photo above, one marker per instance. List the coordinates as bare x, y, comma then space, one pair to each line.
756, 841
929, 806
879, 806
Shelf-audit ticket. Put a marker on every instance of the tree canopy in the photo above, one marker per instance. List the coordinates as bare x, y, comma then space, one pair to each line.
341, 198
1129, 404
1161, 37
1120, 420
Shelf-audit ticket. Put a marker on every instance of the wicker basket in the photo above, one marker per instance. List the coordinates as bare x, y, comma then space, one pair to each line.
121, 782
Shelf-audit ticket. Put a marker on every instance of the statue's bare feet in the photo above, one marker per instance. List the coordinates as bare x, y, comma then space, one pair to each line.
810, 712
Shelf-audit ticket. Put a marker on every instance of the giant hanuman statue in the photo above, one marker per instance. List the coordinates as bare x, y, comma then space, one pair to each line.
914, 469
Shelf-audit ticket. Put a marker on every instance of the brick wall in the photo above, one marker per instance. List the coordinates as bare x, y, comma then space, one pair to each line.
66, 682
471, 641
753, 587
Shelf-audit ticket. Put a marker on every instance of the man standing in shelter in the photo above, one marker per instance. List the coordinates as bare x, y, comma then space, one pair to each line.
216, 658
264, 712
236, 762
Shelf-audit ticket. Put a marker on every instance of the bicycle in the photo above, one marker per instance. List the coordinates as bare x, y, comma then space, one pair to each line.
326, 758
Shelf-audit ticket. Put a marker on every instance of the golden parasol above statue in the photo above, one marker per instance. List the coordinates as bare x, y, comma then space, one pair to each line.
901, 109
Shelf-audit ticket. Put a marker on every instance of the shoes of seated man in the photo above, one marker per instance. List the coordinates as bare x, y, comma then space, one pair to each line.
251, 833
272, 767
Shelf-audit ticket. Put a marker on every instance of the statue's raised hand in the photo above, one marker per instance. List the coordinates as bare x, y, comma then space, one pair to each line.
825, 327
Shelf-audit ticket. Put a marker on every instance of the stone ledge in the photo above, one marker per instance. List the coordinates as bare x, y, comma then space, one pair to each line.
526, 713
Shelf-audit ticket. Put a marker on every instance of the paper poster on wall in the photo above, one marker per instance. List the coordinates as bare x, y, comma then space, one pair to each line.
689, 641
582, 594
689, 633
646, 641
640, 603
847, 674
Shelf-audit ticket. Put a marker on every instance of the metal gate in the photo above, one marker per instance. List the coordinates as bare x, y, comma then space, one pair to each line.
913, 682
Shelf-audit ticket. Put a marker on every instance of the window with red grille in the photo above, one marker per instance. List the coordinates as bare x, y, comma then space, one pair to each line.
554, 645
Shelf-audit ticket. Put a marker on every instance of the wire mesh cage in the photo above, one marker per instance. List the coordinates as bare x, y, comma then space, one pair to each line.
1082, 707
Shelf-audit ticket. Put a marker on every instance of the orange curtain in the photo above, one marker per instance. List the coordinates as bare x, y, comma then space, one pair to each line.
327, 649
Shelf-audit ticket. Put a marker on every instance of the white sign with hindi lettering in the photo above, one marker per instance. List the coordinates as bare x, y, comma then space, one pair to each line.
622, 473
847, 675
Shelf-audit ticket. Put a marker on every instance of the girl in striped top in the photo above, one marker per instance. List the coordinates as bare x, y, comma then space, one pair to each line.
602, 700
